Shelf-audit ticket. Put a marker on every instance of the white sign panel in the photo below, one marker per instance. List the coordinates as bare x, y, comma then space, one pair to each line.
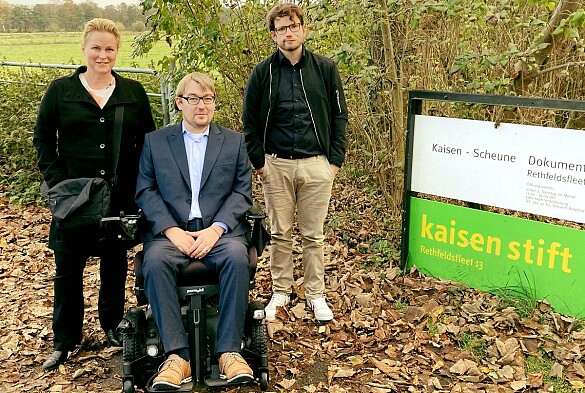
533, 169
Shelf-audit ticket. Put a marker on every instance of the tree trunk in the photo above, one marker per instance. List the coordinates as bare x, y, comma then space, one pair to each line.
525, 73
398, 118
393, 179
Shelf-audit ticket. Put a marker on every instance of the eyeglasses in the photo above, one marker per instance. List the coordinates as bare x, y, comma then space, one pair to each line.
207, 100
293, 28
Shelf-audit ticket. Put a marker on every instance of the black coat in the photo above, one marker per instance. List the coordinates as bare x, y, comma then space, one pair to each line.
321, 84
73, 138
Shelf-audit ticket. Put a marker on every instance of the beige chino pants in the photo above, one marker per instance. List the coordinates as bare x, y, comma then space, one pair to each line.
302, 186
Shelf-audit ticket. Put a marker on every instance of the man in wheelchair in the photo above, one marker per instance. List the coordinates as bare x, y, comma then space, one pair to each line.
194, 187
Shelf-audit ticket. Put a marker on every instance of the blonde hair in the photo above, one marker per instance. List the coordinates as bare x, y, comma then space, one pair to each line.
202, 80
100, 24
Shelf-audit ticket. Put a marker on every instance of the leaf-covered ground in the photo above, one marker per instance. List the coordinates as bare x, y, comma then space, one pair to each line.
391, 333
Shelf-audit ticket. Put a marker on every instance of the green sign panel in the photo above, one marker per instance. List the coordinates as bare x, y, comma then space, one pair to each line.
490, 251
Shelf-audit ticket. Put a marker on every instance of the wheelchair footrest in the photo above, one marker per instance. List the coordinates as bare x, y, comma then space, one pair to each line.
185, 388
213, 382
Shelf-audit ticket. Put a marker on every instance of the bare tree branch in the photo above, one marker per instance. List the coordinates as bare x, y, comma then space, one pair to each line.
525, 73
561, 66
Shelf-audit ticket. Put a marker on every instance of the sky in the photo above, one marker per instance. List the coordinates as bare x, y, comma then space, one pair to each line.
100, 3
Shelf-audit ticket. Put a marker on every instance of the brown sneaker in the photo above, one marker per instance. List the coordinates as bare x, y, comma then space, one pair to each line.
172, 373
234, 368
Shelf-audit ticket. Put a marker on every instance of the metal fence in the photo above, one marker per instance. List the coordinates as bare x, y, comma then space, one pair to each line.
164, 93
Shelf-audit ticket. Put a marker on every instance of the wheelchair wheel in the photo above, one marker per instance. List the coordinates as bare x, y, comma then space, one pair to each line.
128, 386
259, 343
133, 339
130, 348
264, 381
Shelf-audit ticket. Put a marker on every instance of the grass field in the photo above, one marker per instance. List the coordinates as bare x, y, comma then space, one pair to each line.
65, 48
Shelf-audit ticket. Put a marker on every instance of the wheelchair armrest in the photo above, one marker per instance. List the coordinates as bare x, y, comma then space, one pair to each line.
260, 236
256, 212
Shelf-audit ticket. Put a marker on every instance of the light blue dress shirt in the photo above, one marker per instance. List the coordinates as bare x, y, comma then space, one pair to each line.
195, 145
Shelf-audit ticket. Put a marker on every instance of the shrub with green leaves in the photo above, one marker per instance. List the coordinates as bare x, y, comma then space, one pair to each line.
19, 100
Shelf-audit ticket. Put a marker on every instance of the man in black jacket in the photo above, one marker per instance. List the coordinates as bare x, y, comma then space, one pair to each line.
294, 124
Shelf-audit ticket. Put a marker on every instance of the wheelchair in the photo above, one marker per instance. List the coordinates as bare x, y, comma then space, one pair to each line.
198, 291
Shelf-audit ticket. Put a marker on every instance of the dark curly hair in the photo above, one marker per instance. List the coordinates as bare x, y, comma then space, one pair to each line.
284, 9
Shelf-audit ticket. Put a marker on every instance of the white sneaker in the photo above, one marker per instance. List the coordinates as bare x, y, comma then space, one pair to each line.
277, 300
320, 308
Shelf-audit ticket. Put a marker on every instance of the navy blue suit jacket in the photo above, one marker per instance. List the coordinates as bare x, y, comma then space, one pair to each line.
163, 189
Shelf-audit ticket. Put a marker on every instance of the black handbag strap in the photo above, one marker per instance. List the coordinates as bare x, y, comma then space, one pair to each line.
117, 140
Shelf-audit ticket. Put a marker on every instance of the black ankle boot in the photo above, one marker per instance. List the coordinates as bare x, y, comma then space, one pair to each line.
54, 360
114, 338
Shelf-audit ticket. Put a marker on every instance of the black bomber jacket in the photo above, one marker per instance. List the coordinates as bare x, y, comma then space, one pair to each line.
321, 84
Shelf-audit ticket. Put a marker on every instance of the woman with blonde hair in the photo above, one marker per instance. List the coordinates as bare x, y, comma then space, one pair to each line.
74, 138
